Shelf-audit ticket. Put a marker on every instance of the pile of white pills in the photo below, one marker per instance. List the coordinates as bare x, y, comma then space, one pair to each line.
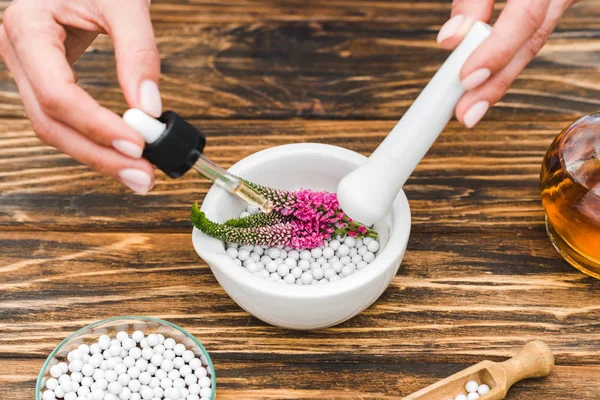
474, 391
335, 260
130, 368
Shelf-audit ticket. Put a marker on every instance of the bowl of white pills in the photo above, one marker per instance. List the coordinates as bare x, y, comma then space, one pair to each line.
128, 358
301, 288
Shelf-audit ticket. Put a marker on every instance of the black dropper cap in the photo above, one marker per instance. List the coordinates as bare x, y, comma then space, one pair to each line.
178, 148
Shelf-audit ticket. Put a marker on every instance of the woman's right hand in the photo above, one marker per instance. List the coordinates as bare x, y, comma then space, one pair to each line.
39, 40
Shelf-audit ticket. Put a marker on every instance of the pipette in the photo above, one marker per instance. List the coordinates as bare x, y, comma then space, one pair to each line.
175, 147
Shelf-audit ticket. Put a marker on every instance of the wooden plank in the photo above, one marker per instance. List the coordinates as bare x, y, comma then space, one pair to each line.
302, 381
454, 297
488, 176
421, 15
326, 70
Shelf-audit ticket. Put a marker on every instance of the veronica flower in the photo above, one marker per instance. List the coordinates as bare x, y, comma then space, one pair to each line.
301, 219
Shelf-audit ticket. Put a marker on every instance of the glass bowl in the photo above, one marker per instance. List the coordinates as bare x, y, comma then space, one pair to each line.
110, 327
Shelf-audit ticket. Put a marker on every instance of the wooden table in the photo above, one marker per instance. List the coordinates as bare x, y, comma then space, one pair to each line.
479, 278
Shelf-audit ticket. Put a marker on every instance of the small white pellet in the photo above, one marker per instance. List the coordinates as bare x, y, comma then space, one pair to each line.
483, 389
472, 396
471, 386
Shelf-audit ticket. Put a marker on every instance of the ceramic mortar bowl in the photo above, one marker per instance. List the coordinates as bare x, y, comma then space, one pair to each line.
111, 327
317, 167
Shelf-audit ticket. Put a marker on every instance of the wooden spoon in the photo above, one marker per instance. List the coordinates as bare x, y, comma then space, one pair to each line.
534, 360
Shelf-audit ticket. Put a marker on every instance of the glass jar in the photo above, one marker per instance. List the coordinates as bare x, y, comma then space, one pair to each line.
571, 194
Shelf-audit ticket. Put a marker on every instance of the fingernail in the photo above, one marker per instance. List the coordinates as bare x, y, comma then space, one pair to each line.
150, 100
475, 113
128, 148
136, 180
450, 28
476, 78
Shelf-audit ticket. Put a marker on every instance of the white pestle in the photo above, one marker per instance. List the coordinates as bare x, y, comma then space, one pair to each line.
367, 193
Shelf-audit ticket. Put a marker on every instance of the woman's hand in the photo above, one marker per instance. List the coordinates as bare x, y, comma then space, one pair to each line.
39, 40
521, 30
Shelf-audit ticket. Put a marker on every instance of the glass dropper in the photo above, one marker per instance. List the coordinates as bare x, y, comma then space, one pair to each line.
231, 183
175, 146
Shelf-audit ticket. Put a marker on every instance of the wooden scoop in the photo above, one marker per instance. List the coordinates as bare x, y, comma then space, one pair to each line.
534, 360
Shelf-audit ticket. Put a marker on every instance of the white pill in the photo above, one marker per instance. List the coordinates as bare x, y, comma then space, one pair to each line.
361, 265
290, 262
204, 381
316, 252
48, 395
115, 387
368, 257
97, 394
124, 379
125, 394
345, 260
356, 259
334, 244
373, 246
169, 343
460, 397
353, 251
166, 365
337, 266
348, 269
146, 392
306, 278
273, 252
328, 252
205, 392
350, 241
472, 396
483, 389
134, 385
362, 250
254, 257
471, 386
283, 254
296, 272
328, 273
200, 372
237, 262
258, 250
343, 250
305, 255
110, 375
283, 270
252, 268
178, 362
304, 265
56, 371
104, 342
317, 273
271, 266
137, 336
243, 255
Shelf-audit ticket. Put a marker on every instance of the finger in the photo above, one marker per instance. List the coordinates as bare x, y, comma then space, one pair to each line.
38, 44
138, 61
475, 103
138, 175
520, 22
464, 14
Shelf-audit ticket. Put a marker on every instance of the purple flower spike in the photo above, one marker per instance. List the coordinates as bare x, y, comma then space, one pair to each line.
302, 219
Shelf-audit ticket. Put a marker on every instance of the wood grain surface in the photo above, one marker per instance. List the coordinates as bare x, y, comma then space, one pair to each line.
479, 279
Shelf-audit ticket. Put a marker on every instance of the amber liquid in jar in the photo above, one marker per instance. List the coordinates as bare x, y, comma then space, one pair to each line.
571, 194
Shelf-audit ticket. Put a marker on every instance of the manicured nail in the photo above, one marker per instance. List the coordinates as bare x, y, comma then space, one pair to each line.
128, 148
476, 78
450, 27
150, 101
136, 180
475, 113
